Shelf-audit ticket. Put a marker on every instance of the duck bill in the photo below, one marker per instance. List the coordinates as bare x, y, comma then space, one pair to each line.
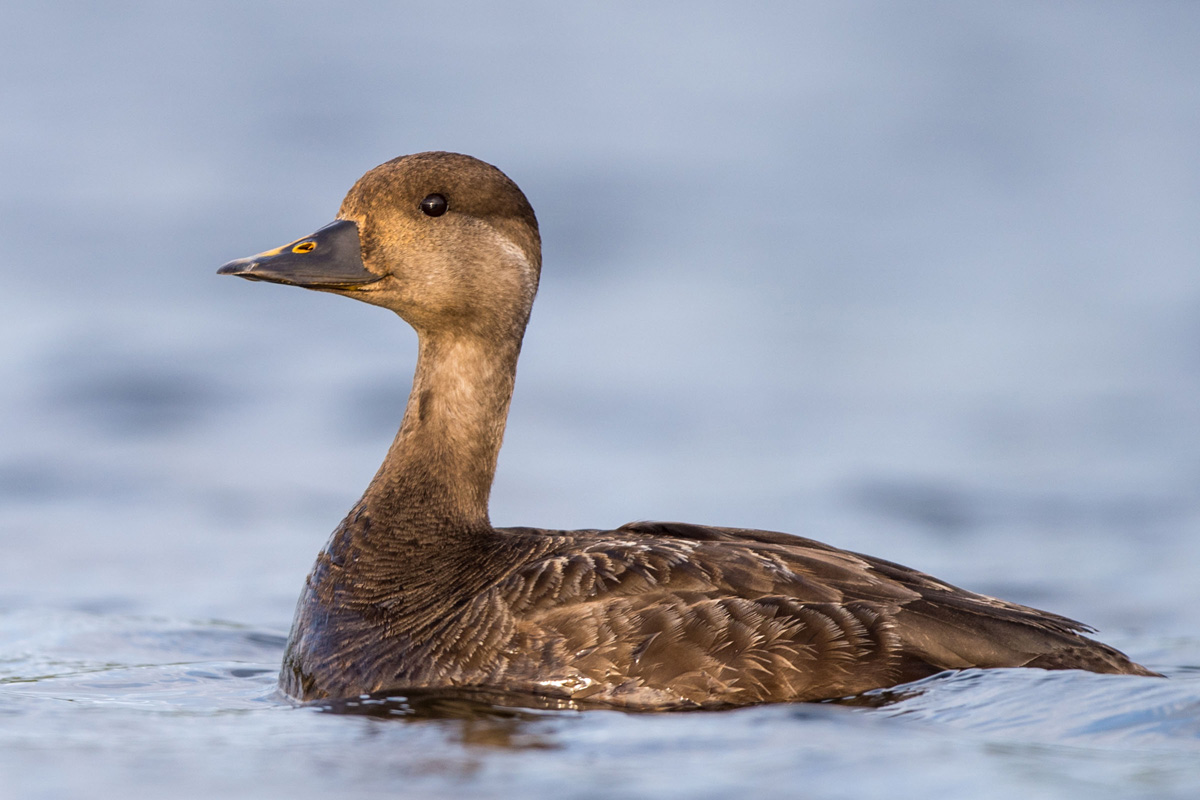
331, 258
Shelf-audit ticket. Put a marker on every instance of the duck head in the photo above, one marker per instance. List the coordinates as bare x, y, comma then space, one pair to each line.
446, 241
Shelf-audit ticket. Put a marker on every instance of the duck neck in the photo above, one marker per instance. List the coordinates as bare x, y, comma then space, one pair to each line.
437, 476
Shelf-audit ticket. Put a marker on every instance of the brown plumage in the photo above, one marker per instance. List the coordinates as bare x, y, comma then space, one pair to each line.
416, 588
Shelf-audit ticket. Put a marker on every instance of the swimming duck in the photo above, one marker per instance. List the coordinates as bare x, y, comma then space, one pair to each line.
415, 588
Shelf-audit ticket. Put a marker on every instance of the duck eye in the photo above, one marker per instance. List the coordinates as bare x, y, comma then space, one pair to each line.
305, 247
434, 205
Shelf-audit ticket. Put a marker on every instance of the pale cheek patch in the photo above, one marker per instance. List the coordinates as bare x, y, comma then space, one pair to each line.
516, 255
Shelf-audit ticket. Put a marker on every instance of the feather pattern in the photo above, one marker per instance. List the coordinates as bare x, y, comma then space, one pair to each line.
671, 615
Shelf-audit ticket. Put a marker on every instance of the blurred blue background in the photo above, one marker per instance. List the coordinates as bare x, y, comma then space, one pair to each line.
917, 280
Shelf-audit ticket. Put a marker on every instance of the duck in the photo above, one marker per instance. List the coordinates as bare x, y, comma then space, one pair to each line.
416, 589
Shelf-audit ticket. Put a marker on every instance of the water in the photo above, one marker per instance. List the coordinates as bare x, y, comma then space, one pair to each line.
917, 283
121, 704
